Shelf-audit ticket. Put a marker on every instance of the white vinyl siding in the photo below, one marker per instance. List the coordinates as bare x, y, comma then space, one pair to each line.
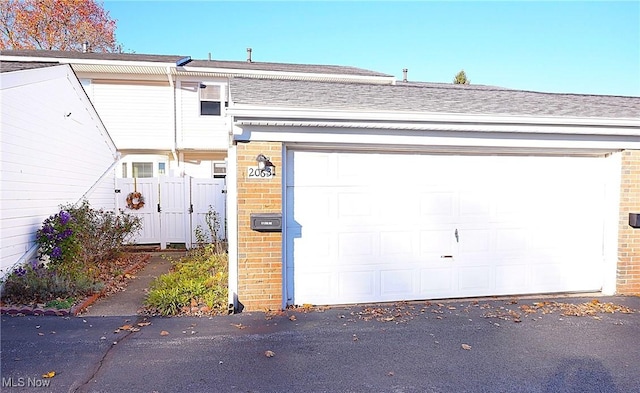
137, 115
196, 131
53, 150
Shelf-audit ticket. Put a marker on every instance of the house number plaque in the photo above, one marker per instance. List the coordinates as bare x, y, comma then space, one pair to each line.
253, 172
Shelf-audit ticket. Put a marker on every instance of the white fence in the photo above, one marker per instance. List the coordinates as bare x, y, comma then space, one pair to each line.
173, 207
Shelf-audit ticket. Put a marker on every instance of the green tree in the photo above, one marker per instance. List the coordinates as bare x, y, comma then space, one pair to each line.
461, 78
56, 25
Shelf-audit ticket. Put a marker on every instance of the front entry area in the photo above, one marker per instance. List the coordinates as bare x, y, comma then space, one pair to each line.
385, 226
173, 207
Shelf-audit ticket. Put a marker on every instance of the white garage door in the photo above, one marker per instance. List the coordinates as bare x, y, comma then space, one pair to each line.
369, 227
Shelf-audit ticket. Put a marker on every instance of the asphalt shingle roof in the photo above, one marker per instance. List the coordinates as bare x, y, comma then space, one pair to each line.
9, 66
241, 65
428, 97
54, 54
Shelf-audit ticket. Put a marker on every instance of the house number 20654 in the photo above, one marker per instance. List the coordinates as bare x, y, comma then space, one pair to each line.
257, 173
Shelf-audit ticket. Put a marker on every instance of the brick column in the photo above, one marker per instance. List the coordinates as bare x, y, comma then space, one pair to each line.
259, 253
628, 274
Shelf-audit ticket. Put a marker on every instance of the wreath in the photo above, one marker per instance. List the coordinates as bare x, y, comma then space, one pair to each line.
135, 200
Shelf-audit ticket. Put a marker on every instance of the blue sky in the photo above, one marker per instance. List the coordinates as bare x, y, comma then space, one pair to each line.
562, 46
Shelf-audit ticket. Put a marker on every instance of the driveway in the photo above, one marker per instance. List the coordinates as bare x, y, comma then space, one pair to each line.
499, 345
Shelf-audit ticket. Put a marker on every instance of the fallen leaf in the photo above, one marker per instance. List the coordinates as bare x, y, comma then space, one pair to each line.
269, 354
40, 334
141, 324
50, 374
239, 326
164, 333
390, 373
466, 347
292, 318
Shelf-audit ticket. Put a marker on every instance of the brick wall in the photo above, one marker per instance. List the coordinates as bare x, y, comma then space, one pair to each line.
628, 274
259, 253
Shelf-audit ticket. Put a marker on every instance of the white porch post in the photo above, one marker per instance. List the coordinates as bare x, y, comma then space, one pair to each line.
232, 225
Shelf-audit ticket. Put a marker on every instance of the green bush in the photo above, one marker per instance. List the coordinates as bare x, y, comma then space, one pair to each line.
72, 245
199, 279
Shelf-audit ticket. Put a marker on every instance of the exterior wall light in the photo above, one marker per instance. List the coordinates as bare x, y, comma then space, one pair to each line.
265, 165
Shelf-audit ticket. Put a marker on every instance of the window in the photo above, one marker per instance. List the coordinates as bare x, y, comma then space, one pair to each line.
161, 168
219, 169
211, 98
142, 169
124, 169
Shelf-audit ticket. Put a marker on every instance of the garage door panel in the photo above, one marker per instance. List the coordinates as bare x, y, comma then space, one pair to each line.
474, 241
437, 282
437, 206
356, 285
314, 245
352, 204
437, 242
355, 244
474, 279
398, 283
525, 225
311, 206
511, 240
315, 169
399, 244
511, 278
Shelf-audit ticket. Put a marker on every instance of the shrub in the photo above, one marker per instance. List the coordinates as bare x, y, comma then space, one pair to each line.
72, 244
102, 234
209, 235
198, 279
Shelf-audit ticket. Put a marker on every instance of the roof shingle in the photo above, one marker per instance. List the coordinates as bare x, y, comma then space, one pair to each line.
428, 98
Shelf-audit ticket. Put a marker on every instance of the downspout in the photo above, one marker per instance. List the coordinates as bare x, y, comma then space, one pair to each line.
175, 117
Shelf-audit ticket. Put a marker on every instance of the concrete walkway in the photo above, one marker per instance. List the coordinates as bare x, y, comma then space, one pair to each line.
130, 301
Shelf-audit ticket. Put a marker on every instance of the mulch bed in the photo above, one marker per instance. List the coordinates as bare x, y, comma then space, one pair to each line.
116, 275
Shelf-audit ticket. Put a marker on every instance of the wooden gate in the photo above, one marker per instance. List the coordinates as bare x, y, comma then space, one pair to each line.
173, 208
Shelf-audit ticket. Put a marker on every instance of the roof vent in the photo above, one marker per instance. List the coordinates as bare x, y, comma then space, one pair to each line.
209, 56
249, 55
404, 74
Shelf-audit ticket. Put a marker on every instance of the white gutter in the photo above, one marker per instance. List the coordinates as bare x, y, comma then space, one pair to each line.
261, 112
248, 73
66, 60
518, 128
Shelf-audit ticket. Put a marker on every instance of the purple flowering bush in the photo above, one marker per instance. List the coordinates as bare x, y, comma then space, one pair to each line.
75, 245
56, 238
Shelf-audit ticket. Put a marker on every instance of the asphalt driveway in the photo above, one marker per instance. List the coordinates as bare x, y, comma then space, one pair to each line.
528, 345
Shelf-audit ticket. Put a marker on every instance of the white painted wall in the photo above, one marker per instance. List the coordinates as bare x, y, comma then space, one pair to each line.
53, 150
196, 131
138, 115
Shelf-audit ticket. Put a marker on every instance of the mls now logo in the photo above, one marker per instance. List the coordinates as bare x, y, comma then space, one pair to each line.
25, 382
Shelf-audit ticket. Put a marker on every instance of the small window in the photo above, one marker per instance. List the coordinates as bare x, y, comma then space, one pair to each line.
161, 168
219, 169
124, 169
142, 169
211, 99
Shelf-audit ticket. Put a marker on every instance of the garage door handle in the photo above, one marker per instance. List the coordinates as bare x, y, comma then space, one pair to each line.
457, 237
446, 256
